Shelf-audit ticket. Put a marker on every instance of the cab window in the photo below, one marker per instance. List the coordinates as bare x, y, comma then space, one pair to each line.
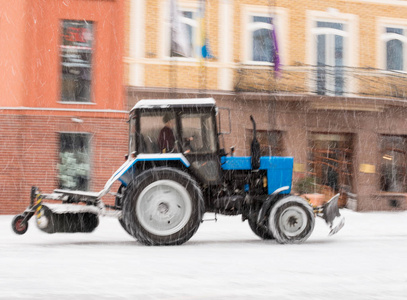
157, 133
198, 133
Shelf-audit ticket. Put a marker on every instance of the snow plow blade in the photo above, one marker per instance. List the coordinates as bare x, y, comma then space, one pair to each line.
330, 213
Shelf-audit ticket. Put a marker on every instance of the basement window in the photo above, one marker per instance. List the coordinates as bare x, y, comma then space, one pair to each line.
76, 52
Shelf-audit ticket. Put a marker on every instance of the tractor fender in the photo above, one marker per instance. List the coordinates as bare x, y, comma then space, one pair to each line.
125, 174
269, 202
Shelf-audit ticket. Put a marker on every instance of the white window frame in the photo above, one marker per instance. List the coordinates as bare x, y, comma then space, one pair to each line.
165, 30
137, 48
330, 51
279, 16
383, 37
351, 42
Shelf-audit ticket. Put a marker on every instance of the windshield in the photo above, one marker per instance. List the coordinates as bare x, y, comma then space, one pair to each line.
160, 132
198, 133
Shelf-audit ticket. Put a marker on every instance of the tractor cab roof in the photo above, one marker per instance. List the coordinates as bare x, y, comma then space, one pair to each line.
174, 103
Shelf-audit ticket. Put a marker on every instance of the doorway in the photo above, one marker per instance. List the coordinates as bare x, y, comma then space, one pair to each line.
330, 163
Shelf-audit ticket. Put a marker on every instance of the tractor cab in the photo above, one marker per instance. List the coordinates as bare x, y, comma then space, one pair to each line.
171, 128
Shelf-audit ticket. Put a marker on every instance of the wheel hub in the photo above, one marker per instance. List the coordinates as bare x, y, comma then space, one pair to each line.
164, 207
293, 221
20, 225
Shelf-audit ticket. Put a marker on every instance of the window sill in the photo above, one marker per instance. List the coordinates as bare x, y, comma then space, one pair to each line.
76, 102
181, 59
258, 63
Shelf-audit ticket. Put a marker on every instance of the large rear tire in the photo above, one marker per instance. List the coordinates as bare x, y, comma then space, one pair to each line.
163, 206
291, 220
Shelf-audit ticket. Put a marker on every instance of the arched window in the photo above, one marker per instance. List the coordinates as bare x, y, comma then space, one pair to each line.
264, 36
260, 36
394, 39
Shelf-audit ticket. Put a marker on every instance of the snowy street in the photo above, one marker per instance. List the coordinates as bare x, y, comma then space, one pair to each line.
224, 260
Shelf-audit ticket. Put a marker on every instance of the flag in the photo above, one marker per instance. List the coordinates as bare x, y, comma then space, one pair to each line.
276, 55
179, 36
202, 43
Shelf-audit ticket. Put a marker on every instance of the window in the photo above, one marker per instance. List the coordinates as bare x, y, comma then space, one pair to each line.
271, 142
263, 28
330, 160
159, 133
190, 26
76, 59
332, 43
74, 165
132, 135
151, 125
394, 39
392, 44
185, 26
198, 133
393, 170
330, 39
261, 38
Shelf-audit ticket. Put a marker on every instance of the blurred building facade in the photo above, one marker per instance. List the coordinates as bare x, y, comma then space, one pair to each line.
62, 103
334, 97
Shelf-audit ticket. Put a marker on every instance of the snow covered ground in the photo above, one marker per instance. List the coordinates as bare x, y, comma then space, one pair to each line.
224, 260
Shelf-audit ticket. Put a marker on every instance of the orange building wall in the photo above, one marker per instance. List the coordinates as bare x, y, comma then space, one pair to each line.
30, 50
12, 30
29, 148
31, 114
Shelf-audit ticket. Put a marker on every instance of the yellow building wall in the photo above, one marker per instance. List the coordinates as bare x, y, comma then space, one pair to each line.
157, 69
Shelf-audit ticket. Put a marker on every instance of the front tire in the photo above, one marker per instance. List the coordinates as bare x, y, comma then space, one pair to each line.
291, 220
163, 206
261, 231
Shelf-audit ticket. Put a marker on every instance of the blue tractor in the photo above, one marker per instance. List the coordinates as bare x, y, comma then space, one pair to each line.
175, 172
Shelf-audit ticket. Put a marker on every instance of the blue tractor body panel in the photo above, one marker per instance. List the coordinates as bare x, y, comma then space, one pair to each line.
279, 169
125, 173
